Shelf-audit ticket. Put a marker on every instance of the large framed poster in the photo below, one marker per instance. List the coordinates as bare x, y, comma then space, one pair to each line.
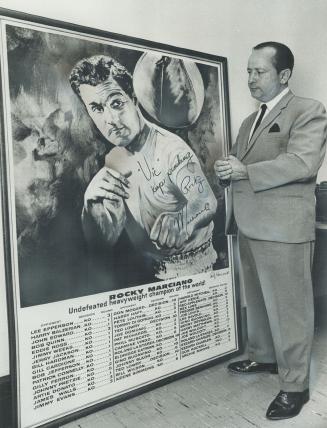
119, 273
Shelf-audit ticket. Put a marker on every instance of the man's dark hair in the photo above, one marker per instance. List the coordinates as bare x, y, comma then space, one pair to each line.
283, 57
97, 69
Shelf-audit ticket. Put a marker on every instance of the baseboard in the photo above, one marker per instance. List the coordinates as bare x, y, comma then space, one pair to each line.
4, 382
4, 385
5, 402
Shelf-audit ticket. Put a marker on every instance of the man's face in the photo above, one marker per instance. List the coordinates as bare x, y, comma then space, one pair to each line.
264, 82
114, 113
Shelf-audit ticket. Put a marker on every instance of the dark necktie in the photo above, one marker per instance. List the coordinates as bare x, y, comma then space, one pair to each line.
259, 120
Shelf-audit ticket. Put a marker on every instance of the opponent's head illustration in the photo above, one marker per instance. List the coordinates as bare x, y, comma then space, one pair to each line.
169, 89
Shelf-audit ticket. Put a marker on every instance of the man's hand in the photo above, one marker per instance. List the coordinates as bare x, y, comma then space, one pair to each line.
230, 168
107, 184
169, 230
223, 169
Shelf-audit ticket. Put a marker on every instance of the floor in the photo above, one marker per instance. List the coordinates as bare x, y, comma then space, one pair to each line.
214, 398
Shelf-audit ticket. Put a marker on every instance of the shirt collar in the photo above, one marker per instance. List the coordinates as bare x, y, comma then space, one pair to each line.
272, 103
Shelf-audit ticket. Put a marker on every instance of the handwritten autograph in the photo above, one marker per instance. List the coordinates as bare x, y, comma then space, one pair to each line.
182, 219
188, 183
196, 215
159, 186
147, 171
179, 160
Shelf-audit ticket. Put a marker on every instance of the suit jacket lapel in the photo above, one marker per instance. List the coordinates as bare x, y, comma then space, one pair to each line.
271, 116
246, 135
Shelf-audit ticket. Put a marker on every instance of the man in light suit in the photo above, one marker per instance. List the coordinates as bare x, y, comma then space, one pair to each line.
272, 173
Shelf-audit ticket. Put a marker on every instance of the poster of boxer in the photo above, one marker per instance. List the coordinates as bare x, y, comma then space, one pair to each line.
119, 271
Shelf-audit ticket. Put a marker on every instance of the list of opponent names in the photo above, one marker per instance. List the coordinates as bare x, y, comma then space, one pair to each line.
204, 321
105, 347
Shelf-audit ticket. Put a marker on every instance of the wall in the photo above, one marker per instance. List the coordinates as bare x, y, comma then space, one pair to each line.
227, 28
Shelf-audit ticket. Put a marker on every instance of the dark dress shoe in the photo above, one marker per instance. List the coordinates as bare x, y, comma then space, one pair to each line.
249, 367
287, 405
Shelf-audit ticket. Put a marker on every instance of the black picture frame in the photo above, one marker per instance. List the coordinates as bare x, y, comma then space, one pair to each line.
9, 196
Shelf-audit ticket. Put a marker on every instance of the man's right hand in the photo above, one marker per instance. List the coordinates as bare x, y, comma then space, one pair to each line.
223, 169
107, 184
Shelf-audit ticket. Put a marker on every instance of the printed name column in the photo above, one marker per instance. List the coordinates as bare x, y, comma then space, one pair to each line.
133, 343
145, 337
55, 366
196, 322
69, 359
204, 319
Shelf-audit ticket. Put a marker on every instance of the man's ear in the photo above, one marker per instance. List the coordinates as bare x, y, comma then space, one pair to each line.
284, 76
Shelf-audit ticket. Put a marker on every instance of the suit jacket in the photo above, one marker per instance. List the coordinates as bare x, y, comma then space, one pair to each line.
277, 201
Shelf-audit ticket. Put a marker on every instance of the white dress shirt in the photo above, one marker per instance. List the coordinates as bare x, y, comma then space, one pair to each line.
270, 105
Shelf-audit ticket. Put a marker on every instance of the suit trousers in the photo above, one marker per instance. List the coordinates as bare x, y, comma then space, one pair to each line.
280, 313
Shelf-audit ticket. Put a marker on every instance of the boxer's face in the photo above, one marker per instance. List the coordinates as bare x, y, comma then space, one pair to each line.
264, 81
114, 113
